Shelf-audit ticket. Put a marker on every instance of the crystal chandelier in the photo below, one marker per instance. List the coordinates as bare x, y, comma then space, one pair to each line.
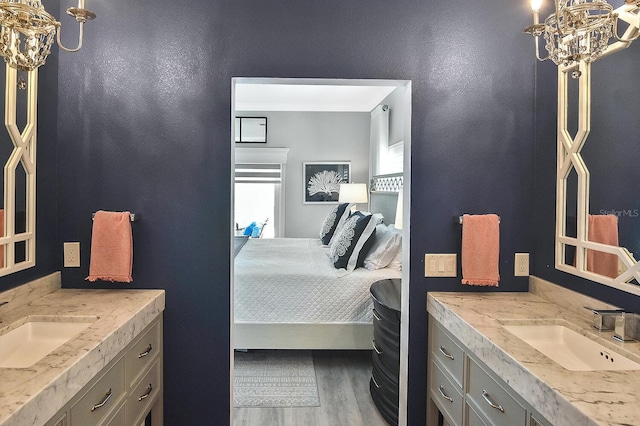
28, 32
579, 30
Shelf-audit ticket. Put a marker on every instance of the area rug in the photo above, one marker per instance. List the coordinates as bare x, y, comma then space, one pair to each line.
275, 378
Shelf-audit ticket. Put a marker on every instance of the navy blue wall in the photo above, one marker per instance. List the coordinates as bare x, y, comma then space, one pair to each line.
144, 125
612, 155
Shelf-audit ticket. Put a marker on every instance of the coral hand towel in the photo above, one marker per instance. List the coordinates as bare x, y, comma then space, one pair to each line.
111, 247
480, 249
603, 229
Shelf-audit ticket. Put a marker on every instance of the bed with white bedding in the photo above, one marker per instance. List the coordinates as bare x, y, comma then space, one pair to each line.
288, 293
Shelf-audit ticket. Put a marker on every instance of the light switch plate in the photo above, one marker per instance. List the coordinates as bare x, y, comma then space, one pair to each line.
440, 265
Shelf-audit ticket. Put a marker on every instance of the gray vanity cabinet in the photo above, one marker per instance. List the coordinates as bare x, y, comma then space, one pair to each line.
125, 391
465, 391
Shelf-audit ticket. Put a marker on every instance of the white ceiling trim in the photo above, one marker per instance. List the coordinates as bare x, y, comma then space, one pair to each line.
314, 96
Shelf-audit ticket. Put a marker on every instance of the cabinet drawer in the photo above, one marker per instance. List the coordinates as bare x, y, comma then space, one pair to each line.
143, 395
119, 419
388, 359
142, 353
387, 409
473, 419
484, 391
385, 385
101, 399
386, 316
391, 374
448, 353
447, 396
385, 342
389, 338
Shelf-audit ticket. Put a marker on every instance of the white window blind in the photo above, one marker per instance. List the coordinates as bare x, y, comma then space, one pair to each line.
258, 173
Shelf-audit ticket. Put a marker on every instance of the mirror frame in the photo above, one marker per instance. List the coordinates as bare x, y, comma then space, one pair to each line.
24, 152
569, 158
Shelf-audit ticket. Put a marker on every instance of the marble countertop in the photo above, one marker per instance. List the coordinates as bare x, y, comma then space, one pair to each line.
564, 397
31, 396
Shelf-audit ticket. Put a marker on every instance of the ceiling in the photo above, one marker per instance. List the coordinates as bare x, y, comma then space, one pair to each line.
321, 96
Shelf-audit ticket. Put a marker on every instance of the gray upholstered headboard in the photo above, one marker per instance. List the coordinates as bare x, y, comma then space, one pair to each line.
384, 195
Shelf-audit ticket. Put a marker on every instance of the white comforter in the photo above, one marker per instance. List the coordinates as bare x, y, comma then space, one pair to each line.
292, 280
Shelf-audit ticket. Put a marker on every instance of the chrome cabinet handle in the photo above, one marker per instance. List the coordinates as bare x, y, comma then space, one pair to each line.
146, 352
375, 348
374, 382
444, 395
107, 397
487, 398
445, 353
147, 393
375, 315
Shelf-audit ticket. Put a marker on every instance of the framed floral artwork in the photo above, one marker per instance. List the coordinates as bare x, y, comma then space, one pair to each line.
322, 181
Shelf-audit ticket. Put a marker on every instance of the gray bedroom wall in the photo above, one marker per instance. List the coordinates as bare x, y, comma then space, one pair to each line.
315, 136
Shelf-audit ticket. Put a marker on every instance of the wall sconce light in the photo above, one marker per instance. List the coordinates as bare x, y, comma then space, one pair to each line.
28, 31
580, 30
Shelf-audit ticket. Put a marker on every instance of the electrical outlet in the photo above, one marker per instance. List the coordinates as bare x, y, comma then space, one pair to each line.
71, 255
521, 264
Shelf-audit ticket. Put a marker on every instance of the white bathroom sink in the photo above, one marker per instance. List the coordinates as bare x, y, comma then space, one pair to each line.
570, 349
27, 341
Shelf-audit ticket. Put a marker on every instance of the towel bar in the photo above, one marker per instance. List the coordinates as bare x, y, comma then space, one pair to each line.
134, 217
460, 219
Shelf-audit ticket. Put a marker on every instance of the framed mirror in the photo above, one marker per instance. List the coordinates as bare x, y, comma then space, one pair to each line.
251, 129
596, 220
18, 156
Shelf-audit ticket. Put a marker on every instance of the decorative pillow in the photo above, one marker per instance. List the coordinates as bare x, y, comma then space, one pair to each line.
351, 243
386, 243
333, 221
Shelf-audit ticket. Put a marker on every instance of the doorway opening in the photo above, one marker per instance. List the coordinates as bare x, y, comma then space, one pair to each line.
284, 99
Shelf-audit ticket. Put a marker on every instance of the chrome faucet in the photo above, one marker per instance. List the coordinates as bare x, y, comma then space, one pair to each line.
627, 327
604, 319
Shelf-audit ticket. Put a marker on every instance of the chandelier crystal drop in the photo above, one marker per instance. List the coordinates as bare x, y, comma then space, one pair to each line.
579, 30
28, 32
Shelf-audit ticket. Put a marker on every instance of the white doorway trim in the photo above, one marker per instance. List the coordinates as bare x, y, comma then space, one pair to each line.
406, 100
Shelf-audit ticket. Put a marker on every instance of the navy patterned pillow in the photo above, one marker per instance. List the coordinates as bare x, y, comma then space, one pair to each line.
334, 221
352, 242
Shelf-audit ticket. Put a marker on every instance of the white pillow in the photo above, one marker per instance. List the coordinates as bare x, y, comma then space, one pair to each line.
396, 262
386, 244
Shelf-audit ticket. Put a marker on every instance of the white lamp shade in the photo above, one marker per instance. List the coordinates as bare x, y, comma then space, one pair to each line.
398, 224
353, 193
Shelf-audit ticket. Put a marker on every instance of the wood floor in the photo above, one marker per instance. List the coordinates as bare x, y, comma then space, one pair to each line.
343, 385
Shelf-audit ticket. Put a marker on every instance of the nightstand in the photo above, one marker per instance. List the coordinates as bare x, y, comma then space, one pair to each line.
384, 383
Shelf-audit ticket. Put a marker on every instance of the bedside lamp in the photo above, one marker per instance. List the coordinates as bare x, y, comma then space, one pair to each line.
353, 193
